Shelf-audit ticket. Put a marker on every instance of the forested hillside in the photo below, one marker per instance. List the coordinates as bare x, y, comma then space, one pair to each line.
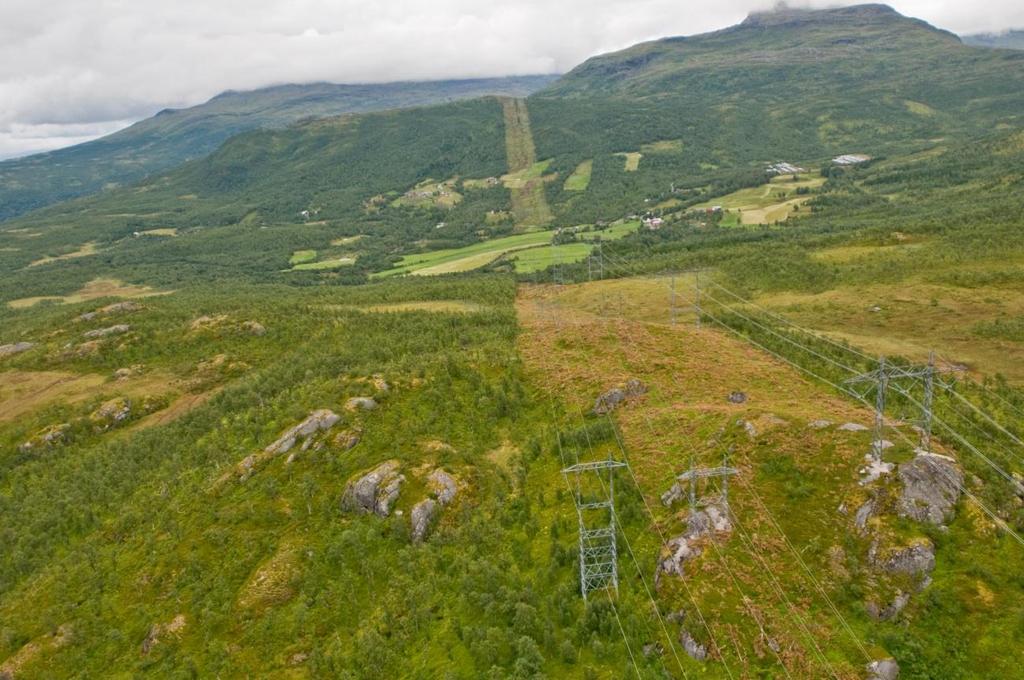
172, 137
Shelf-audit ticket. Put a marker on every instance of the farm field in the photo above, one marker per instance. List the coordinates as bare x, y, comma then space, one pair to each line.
773, 202
467, 258
302, 257
481, 254
537, 259
332, 263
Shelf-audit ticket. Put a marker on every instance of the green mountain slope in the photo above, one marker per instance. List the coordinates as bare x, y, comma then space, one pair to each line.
799, 85
174, 136
701, 117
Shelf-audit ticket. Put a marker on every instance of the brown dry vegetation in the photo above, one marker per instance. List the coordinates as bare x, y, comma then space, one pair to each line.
93, 290
578, 353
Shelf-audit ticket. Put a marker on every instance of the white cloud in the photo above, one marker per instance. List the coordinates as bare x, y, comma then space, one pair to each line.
100, 61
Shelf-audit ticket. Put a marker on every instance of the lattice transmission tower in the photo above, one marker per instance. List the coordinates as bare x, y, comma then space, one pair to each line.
594, 496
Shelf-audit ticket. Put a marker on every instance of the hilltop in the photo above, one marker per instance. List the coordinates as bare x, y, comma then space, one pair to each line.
174, 136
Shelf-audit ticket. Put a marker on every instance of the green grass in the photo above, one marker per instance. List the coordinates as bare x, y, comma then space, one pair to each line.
579, 180
617, 230
302, 257
480, 254
488, 249
325, 264
536, 259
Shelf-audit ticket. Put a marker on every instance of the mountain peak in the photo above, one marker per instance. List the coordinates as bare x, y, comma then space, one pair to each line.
784, 13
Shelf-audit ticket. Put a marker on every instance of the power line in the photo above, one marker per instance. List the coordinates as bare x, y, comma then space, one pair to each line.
1002, 524
625, 640
718, 551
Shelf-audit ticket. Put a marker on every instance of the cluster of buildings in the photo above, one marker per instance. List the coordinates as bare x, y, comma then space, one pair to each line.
851, 159
782, 168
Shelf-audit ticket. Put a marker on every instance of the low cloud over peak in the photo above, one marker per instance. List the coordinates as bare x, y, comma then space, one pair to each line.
70, 71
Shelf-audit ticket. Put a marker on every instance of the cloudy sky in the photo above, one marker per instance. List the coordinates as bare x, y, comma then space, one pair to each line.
71, 70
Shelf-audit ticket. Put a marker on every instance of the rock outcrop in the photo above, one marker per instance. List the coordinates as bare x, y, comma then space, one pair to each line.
116, 329
692, 647
361, 404
863, 514
673, 495
710, 520
321, 420
677, 552
375, 491
443, 485
254, 328
15, 348
111, 413
737, 397
423, 514
388, 494
917, 560
890, 611
853, 427
347, 439
51, 436
874, 469
931, 488
819, 424
884, 669
613, 398
681, 549
120, 307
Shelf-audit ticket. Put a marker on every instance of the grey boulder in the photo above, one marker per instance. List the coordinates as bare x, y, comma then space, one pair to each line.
110, 330
931, 488
15, 348
696, 650
323, 419
375, 491
443, 485
883, 669
422, 516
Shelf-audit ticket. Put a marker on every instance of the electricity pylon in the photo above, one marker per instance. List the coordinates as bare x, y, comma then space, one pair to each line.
879, 381
595, 508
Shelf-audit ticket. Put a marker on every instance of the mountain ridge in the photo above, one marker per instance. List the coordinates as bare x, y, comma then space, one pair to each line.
781, 37
173, 136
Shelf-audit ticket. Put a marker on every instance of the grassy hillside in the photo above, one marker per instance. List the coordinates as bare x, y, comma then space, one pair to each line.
172, 137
